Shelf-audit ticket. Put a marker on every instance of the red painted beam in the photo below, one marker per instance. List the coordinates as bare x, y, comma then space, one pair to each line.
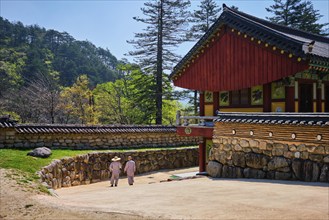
206, 132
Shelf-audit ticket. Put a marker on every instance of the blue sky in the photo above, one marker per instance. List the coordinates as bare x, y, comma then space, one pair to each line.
109, 23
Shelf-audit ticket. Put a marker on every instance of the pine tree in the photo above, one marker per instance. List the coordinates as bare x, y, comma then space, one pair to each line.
297, 14
166, 22
202, 19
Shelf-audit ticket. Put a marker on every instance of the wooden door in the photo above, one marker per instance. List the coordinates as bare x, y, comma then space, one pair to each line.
306, 98
326, 98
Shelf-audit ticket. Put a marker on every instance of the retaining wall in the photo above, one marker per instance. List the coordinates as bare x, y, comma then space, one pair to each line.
263, 151
94, 167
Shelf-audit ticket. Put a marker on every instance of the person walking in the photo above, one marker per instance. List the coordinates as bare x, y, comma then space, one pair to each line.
130, 169
115, 168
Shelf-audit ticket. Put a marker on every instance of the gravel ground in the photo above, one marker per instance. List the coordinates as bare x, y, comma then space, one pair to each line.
152, 197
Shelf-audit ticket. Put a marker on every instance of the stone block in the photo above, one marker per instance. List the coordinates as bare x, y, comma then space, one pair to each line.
277, 162
302, 147
246, 149
256, 161
319, 150
253, 143
326, 159
256, 150
262, 145
324, 175
227, 147
297, 168
269, 146
267, 153
270, 175
316, 157
254, 173
234, 141
307, 171
239, 159
304, 155
282, 176
277, 152
288, 154
237, 147
315, 172
292, 148
244, 143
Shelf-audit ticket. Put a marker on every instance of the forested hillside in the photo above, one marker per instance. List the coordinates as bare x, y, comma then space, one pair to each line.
49, 77
26, 51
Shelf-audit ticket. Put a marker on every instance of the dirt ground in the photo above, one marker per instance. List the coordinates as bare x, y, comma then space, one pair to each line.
153, 198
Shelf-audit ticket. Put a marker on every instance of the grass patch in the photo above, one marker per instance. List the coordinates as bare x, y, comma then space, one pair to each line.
17, 159
24, 167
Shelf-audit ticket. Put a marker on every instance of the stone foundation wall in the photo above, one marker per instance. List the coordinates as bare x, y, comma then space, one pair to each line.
94, 167
234, 157
9, 138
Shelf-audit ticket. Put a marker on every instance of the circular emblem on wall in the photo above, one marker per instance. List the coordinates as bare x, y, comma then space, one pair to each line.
188, 130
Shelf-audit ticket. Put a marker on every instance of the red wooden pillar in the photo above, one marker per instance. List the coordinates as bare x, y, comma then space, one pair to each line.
290, 98
202, 156
319, 97
201, 103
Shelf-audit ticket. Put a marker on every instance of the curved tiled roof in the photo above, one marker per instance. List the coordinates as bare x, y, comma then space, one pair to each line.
299, 43
306, 119
85, 129
6, 122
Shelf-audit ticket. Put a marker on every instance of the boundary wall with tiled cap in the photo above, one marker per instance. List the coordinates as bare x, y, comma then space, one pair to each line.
20, 136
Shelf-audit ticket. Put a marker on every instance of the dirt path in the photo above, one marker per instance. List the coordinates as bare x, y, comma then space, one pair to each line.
200, 198
21, 201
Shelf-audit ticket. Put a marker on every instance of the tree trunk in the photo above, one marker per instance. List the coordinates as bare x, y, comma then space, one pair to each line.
158, 119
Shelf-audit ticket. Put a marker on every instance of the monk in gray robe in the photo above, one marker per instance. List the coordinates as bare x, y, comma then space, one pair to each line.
130, 169
115, 168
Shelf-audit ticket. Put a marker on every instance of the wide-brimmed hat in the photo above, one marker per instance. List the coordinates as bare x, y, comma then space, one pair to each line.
116, 158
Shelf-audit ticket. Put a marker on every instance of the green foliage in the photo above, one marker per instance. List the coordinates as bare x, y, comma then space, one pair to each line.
203, 18
166, 22
44, 50
77, 102
298, 14
131, 100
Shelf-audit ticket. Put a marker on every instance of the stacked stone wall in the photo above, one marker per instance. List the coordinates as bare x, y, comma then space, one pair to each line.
9, 138
94, 167
234, 157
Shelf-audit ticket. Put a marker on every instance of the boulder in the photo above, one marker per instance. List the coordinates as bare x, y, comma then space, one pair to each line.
238, 159
256, 161
324, 176
214, 169
297, 167
42, 152
254, 173
278, 162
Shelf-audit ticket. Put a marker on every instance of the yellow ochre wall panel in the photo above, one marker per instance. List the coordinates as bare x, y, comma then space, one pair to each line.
209, 110
278, 107
241, 109
296, 106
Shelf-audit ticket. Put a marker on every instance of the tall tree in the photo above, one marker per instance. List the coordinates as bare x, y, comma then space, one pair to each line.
202, 18
166, 22
298, 14
77, 102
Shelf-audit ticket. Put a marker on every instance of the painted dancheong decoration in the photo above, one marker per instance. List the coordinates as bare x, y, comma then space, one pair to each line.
245, 64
